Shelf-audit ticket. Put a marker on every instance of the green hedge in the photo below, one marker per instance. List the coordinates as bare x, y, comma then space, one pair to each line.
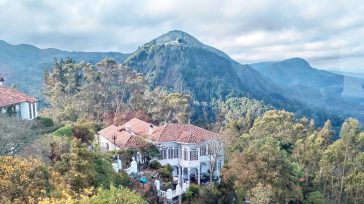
44, 121
66, 130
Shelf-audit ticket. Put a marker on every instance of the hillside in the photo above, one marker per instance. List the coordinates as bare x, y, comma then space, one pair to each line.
316, 87
350, 74
23, 65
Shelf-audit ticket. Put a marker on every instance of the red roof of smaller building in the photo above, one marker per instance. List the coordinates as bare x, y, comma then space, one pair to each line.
10, 96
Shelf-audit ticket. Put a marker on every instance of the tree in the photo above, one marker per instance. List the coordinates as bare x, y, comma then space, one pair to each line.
315, 198
25, 180
262, 194
75, 90
168, 107
102, 195
77, 167
215, 151
309, 151
240, 109
114, 195
148, 151
280, 125
341, 161
266, 163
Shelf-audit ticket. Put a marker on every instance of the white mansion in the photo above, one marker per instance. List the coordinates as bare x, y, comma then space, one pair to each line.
184, 146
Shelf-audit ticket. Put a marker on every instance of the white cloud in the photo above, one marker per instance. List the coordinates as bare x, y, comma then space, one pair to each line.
327, 33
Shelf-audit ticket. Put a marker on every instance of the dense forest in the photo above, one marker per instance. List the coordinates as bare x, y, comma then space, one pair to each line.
272, 156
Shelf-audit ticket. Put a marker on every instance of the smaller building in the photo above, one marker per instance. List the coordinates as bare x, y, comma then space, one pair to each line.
16, 103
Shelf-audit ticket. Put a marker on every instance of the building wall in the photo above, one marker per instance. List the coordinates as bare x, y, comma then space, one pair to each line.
106, 145
202, 163
173, 161
24, 109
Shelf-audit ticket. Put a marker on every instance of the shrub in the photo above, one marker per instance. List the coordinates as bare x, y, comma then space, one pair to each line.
154, 164
314, 198
209, 194
24, 180
114, 195
44, 122
66, 130
83, 133
165, 172
192, 192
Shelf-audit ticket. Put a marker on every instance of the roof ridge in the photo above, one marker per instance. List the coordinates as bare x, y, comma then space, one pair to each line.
164, 128
190, 135
203, 129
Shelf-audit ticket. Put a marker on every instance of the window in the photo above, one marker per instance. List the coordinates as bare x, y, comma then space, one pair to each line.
203, 150
163, 153
193, 154
185, 154
170, 153
175, 152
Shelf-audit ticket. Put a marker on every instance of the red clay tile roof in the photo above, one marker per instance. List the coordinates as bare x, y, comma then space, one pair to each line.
183, 133
138, 126
122, 137
9, 96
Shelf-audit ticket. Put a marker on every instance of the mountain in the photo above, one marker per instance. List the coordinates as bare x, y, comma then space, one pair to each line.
180, 62
350, 74
297, 71
333, 91
23, 65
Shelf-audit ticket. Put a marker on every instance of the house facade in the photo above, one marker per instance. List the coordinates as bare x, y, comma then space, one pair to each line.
190, 150
16, 103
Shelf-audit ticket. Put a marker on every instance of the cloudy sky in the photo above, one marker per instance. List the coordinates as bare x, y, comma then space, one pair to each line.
328, 33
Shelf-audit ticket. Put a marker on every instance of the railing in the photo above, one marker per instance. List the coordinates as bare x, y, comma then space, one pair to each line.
163, 194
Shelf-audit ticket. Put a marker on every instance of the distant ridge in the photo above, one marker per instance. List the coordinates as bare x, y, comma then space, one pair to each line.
23, 65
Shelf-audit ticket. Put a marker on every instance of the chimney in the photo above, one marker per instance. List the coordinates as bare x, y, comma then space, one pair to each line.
1, 81
150, 130
128, 129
